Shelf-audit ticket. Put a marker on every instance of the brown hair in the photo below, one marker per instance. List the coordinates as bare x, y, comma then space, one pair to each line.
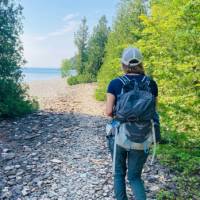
138, 69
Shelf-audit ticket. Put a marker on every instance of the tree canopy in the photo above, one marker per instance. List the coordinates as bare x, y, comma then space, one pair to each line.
67, 65
91, 51
168, 34
80, 40
13, 99
96, 46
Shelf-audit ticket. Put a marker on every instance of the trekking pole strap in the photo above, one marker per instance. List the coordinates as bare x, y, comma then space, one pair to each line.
154, 142
114, 153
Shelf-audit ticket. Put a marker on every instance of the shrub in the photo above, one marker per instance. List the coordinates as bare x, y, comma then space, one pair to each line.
82, 78
171, 57
14, 100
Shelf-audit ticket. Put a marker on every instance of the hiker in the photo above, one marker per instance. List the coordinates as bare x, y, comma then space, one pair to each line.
131, 149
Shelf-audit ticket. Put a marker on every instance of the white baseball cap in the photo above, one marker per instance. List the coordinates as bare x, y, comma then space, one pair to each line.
131, 54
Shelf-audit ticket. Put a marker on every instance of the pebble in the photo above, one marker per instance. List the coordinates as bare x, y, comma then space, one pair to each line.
7, 156
7, 168
25, 191
20, 172
154, 188
62, 154
56, 161
6, 150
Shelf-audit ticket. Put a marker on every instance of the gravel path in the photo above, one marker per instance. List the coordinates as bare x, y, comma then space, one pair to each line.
60, 153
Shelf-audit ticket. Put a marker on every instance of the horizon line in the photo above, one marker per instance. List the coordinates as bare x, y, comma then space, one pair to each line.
52, 67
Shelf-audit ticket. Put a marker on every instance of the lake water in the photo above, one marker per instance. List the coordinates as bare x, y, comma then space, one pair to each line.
33, 73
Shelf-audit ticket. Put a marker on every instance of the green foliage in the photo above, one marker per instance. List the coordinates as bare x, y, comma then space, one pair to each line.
126, 31
82, 78
91, 52
165, 195
96, 46
81, 39
67, 65
14, 100
73, 80
170, 41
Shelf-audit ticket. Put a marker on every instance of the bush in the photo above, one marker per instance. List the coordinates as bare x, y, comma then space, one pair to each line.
162, 195
100, 94
72, 80
82, 78
171, 57
14, 100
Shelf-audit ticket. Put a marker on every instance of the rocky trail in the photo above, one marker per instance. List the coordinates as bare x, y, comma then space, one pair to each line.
60, 152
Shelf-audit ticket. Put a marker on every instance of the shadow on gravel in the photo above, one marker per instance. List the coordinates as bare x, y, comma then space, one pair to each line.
38, 128
60, 155
28, 144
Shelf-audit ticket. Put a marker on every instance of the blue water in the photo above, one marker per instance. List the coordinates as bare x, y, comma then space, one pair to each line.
32, 74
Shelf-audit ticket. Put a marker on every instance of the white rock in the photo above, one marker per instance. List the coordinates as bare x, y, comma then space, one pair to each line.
83, 175
8, 156
154, 188
56, 161
25, 191
5, 150
7, 168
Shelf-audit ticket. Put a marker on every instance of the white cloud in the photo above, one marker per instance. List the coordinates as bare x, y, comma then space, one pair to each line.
70, 16
70, 27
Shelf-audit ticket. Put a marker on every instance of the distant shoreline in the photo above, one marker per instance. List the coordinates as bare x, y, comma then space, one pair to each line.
44, 80
32, 74
41, 68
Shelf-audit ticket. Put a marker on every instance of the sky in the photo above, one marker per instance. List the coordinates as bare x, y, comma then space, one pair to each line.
49, 27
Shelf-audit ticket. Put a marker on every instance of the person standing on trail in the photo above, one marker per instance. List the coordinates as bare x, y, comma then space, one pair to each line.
131, 102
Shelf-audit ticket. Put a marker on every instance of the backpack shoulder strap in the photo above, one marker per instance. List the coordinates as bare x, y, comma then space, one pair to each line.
125, 80
146, 82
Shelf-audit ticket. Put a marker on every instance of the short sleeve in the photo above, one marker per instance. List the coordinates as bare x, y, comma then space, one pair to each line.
111, 88
115, 87
154, 88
